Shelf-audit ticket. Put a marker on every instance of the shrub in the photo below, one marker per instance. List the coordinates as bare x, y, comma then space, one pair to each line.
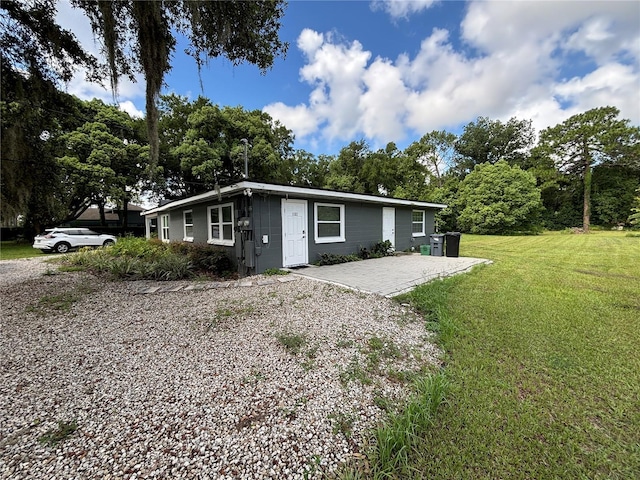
209, 258
382, 249
137, 247
377, 250
334, 259
171, 266
275, 271
137, 258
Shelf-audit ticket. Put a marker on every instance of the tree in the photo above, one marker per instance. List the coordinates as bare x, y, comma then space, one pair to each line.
498, 199
34, 45
101, 161
141, 37
345, 170
489, 141
213, 147
634, 218
171, 180
613, 193
307, 170
588, 139
36, 55
436, 151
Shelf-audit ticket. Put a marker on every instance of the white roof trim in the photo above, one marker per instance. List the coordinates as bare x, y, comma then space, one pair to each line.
290, 190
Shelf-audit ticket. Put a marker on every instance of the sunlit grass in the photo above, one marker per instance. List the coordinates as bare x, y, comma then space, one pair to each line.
543, 365
10, 250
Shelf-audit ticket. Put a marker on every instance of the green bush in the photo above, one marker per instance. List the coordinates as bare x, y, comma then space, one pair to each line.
334, 259
275, 271
137, 258
171, 266
377, 250
209, 258
138, 247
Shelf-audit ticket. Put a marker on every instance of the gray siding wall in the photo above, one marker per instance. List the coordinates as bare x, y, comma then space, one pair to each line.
200, 225
404, 236
363, 228
267, 221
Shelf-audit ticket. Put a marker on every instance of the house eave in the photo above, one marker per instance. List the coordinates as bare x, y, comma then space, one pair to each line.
286, 190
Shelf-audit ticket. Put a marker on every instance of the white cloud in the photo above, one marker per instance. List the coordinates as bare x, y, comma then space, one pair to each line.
335, 71
309, 41
612, 84
521, 71
382, 105
131, 109
401, 8
301, 119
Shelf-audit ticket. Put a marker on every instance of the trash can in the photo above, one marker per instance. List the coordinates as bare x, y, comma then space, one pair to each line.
425, 249
452, 240
437, 244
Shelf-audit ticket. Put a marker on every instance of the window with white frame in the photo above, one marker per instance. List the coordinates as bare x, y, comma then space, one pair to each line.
221, 224
164, 228
417, 223
329, 223
187, 217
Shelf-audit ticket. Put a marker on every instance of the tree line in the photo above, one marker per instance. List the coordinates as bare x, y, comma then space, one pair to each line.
61, 154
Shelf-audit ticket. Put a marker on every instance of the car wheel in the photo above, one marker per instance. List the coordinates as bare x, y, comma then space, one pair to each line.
62, 247
108, 243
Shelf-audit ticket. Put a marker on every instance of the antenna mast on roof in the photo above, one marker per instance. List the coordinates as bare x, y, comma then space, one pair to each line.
246, 163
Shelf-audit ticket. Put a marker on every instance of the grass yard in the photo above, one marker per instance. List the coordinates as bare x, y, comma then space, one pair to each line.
544, 367
10, 250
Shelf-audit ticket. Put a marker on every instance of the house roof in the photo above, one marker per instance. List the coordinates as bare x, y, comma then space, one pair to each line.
268, 188
91, 214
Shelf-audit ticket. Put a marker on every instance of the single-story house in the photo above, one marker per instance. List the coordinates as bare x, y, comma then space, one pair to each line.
277, 226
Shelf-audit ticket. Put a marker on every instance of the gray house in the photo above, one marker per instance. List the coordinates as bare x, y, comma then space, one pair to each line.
274, 226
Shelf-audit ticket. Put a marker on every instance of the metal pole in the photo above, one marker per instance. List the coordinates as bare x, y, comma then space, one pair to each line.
246, 163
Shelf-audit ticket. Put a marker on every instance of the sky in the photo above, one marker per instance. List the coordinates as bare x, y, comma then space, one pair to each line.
392, 71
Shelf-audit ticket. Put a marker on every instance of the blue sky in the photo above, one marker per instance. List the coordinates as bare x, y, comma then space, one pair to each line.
391, 71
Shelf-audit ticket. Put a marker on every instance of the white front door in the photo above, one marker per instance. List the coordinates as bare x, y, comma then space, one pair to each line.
389, 225
295, 250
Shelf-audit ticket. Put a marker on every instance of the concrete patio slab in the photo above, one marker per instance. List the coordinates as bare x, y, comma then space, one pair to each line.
390, 276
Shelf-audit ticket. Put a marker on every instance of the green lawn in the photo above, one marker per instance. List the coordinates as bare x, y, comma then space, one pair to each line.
10, 250
544, 370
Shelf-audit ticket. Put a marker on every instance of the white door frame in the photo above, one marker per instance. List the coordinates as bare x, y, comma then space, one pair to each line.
389, 213
301, 236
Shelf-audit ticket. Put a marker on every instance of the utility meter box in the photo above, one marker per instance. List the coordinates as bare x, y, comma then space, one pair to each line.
245, 224
249, 254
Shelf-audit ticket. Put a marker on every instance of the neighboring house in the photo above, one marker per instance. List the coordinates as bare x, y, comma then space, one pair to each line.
90, 218
273, 226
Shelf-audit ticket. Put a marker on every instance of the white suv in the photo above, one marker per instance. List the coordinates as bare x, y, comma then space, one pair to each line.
61, 240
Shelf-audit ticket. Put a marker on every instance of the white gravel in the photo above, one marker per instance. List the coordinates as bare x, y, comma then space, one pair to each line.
191, 384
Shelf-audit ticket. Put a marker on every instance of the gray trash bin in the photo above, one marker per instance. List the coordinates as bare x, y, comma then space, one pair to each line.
437, 244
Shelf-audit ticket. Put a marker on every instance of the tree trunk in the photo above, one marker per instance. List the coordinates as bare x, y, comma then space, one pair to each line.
125, 215
586, 207
103, 218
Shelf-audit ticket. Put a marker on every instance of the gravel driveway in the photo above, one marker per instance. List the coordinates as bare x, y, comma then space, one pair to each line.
193, 384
